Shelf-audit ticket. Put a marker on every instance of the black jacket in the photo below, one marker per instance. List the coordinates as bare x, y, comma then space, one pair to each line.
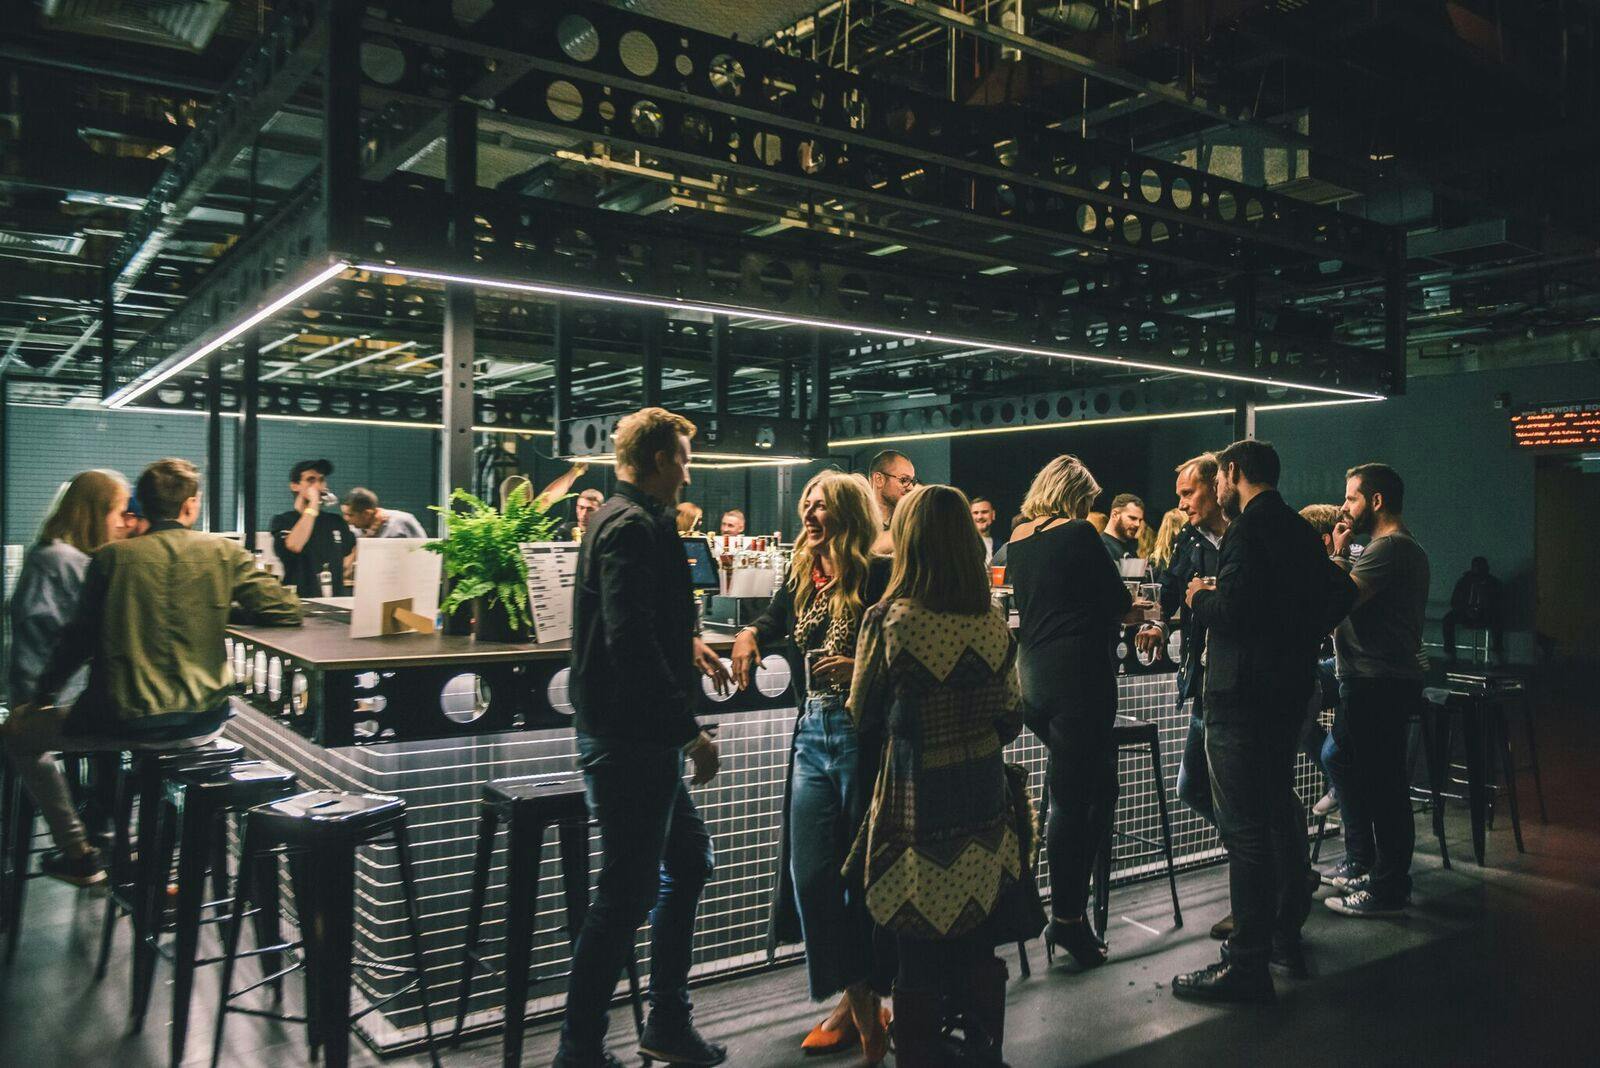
633, 625
1196, 556
1278, 595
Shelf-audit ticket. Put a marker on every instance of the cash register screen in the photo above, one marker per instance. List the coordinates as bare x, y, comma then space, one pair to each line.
702, 565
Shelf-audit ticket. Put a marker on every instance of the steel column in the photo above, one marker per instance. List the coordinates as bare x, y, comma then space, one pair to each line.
248, 489
655, 339
341, 104
561, 403
460, 308
1395, 309
213, 481
1244, 413
108, 334
786, 390
721, 364
818, 413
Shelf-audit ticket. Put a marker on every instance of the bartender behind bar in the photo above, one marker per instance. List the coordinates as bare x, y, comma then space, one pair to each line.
310, 543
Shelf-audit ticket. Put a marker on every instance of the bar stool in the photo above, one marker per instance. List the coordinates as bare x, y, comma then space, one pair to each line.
320, 831
18, 814
1433, 765
197, 802
1136, 734
132, 887
1483, 730
1128, 733
529, 805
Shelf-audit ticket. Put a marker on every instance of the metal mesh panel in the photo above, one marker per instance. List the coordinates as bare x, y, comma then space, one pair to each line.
442, 783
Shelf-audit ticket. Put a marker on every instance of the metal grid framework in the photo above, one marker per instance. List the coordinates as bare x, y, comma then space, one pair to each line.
442, 779
756, 116
675, 91
284, 57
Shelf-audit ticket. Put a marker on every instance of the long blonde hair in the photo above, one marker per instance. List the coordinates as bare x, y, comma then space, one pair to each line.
850, 515
938, 559
1167, 537
1063, 487
79, 515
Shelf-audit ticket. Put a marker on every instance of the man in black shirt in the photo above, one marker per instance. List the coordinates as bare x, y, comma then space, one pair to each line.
1276, 596
308, 540
636, 662
1121, 536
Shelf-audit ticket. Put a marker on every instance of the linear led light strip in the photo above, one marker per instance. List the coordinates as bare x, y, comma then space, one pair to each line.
368, 358
1076, 424
709, 460
326, 350
341, 420
154, 377
796, 320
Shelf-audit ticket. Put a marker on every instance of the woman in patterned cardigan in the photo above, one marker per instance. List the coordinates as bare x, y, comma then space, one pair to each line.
832, 581
936, 671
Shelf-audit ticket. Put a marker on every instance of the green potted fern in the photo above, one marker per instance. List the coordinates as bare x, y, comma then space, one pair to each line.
484, 565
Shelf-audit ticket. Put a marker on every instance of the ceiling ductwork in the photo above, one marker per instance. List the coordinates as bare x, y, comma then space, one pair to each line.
185, 24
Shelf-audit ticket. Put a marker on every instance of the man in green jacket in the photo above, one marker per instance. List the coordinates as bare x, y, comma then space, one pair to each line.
150, 624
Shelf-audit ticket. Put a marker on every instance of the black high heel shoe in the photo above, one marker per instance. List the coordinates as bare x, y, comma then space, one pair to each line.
1078, 939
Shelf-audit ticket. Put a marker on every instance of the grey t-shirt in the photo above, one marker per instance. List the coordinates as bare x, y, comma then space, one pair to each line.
1382, 638
399, 524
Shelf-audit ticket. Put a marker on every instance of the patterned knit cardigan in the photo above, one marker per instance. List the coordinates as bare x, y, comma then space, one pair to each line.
939, 842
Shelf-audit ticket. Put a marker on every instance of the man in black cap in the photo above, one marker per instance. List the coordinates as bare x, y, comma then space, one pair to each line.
309, 542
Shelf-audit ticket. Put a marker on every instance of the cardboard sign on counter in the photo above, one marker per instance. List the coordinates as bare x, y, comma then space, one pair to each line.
397, 587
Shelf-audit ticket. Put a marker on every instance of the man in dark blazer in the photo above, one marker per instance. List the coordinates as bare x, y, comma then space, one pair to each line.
1276, 596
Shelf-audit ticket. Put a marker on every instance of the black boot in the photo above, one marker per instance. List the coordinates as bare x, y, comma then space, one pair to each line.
1078, 939
988, 983
1229, 980
918, 1020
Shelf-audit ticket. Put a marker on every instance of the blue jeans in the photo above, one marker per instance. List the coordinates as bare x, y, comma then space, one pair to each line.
827, 800
1194, 780
655, 851
1368, 768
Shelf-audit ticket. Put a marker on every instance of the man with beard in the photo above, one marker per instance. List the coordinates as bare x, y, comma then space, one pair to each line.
1198, 555
1376, 650
1121, 536
1276, 594
983, 519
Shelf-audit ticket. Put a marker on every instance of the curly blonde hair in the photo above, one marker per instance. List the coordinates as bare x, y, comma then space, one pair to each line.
855, 527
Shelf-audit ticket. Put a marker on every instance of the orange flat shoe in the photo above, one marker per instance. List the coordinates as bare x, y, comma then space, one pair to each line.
874, 1048
821, 1040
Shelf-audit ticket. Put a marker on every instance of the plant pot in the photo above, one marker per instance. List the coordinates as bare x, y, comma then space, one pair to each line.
492, 624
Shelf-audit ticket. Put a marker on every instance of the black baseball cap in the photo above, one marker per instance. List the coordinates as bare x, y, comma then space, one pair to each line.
322, 466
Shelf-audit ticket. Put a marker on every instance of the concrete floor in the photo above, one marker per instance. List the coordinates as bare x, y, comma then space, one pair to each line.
1498, 965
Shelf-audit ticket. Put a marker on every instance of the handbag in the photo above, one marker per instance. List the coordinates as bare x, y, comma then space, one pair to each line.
1019, 914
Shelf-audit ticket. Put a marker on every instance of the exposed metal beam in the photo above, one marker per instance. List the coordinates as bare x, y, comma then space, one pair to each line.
262, 85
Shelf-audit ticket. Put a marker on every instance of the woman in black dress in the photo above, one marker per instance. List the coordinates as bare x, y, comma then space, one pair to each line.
1069, 599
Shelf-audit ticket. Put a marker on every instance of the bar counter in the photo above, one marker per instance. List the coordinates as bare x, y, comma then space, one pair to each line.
430, 718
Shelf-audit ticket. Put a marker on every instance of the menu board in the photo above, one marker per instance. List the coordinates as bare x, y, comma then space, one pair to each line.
1558, 426
552, 573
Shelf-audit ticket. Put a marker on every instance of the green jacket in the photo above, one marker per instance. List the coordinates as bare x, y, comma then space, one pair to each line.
151, 624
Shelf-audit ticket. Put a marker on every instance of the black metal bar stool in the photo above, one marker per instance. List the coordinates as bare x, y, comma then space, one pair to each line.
529, 805
1433, 765
197, 802
132, 889
1483, 732
1130, 733
320, 831
18, 814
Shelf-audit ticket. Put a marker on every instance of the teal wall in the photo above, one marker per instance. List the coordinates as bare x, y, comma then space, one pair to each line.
47, 446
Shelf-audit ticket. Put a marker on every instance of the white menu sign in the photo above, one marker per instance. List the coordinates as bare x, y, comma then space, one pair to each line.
552, 573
